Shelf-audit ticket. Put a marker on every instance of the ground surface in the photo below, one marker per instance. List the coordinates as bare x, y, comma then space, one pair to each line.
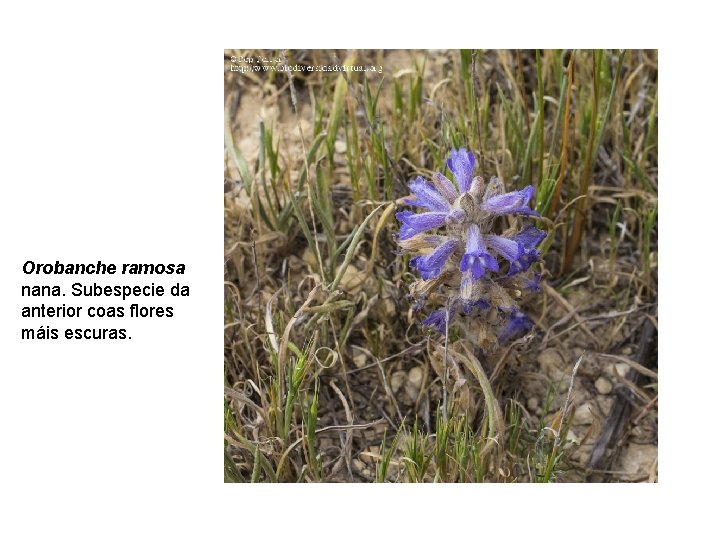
329, 373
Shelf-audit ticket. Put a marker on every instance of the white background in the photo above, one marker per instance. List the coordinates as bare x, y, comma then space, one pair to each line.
111, 148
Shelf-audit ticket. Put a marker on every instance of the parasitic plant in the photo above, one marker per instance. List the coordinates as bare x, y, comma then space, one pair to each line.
461, 255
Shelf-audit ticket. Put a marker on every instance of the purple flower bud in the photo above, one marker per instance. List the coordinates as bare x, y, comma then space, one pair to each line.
515, 202
462, 163
416, 223
517, 326
523, 263
528, 238
427, 196
437, 319
510, 250
430, 266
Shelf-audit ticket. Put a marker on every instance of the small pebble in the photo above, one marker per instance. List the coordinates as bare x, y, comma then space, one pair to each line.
551, 362
572, 437
605, 403
603, 386
396, 380
583, 414
415, 376
533, 403
622, 369
638, 458
389, 307
360, 360
414, 380
352, 279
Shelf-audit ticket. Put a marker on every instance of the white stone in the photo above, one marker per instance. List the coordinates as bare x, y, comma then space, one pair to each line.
622, 369
603, 386
584, 413
414, 380
360, 359
396, 380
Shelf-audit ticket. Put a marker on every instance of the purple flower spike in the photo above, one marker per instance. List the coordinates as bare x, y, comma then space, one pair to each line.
515, 202
437, 319
462, 163
413, 224
430, 266
427, 196
517, 326
477, 258
463, 212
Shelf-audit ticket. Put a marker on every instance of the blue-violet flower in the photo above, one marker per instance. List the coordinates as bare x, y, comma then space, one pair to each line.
482, 270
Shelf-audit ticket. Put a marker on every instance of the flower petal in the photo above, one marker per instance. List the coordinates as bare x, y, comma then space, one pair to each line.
427, 196
478, 263
477, 258
462, 163
474, 239
530, 237
524, 262
510, 250
515, 202
416, 223
430, 266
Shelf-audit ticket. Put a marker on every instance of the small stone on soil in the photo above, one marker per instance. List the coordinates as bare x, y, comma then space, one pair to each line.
605, 403
638, 458
551, 363
583, 414
623, 369
414, 380
533, 404
360, 360
396, 380
603, 386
